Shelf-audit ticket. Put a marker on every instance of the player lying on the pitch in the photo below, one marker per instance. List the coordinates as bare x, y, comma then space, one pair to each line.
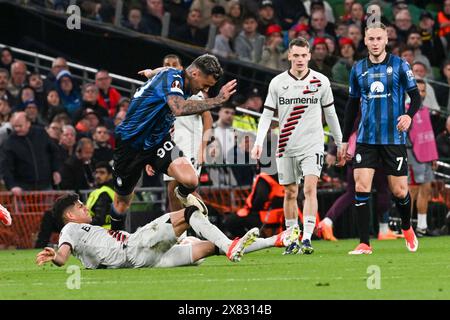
153, 245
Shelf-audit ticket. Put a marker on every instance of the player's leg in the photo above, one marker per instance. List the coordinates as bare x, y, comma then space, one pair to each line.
423, 197
394, 159
174, 203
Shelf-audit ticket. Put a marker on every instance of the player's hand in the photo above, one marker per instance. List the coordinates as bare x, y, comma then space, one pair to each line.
342, 155
46, 255
227, 91
149, 170
256, 152
17, 191
56, 178
150, 73
330, 160
404, 122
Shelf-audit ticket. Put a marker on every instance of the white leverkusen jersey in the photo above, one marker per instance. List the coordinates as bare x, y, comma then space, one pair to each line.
299, 103
188, 135
95, 246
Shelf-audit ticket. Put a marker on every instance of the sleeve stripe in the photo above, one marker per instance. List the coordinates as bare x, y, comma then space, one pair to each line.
328, 105
269, 108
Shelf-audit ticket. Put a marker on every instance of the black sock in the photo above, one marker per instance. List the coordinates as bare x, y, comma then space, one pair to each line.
363, 216
185, 191
404, 208
115, 215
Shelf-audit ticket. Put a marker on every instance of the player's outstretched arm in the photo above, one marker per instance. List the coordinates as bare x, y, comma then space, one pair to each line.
57, 257
182, 107
263, 127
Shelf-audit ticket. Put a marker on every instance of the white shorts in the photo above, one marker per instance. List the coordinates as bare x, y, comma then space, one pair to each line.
149, 244
293, 169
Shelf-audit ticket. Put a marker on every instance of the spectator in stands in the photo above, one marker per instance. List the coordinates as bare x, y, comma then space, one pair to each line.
68, 93
398, 5
78, 171
134, 21
223, 41
289, 12
58, 65
319, 53
346, 16
26, 93
235, 14
253, 102
32, 111
357, 15
18, 78
312, 5
90, 10
403, 24
108, 97
209, 8
53, 105
249, 43
273, 49
54, 131
443, 141
217, 16
120, 116
431, 43
90, 101
443, 19
6, 58
319, 25
100, 200
4, 93
240, 154
179, 10
5, 125
30, 160
443, 89
333, 52
102, 147
392, 37
224, 132
341, 70
153, 15
407, 54
191, 32
422, 156
414, 41
267, 16
87, 123
35, 81
420, 71
355, 33
67, 142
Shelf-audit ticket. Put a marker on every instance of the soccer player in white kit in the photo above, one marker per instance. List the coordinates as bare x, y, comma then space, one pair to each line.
153, 245
299, 95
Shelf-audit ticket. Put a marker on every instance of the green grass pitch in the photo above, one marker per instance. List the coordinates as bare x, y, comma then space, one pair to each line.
327, 274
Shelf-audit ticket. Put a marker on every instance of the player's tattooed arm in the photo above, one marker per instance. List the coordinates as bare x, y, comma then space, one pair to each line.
182, 107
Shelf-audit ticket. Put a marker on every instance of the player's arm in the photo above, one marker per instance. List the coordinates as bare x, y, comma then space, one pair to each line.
207, 120
404, 121
59, 257
150, 73
263, 127
327, 101
182, 107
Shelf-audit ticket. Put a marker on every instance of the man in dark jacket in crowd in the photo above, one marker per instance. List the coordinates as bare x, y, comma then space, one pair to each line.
30, 158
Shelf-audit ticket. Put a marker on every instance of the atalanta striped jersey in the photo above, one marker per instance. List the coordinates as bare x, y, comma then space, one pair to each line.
299, 103
149, 118
382, 89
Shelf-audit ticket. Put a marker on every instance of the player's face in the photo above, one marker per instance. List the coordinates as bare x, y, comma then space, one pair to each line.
173, 63
299, 58
201, 82
376, 41
79, 213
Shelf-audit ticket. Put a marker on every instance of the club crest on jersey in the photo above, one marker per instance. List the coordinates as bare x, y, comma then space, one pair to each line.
389, 70
176, 86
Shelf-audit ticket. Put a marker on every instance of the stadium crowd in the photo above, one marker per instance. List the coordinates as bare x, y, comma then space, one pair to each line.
54, 131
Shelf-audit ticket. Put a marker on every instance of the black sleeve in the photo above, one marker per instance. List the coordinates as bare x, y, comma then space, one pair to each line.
416, 102
101, 209
351, 112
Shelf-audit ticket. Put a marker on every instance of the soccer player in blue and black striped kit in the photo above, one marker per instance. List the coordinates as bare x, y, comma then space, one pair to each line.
378, 84
144, 138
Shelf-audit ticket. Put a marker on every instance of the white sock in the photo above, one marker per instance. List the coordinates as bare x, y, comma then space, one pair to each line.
328, 222
290, 223
309, 222
384, 227
261, 243
207, 230
422, 220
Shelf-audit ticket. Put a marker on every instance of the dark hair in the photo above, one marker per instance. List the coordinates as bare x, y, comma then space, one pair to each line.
418, 80
405, 48
62, 204
172, 56
419, 63
103, 165
250, 15
209, 65
299, 42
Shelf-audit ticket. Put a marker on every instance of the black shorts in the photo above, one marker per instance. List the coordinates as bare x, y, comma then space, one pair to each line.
129, 162
392, 158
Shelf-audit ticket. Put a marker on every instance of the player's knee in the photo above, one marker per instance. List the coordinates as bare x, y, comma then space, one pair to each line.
400, 191
291, 193
362, 187
309, 191
190, 182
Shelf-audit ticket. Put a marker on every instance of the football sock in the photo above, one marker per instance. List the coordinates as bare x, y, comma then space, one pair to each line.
207, 230
261, 243
422, 220
404, 208
116, 216
309, 222
290, 223
363, 216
